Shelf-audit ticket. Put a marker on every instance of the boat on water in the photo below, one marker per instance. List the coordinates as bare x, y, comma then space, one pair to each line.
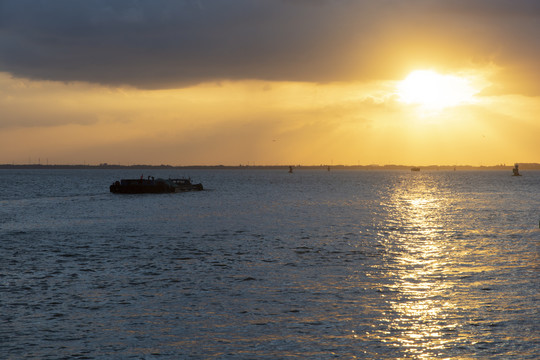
154, 186
515, 170
415, 168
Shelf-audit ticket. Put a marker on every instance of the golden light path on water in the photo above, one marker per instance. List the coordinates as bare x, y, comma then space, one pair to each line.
419, 302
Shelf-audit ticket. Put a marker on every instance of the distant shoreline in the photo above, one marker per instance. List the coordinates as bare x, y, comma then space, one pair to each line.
522, 166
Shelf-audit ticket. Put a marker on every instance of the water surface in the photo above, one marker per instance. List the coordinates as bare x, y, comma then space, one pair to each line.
266, 264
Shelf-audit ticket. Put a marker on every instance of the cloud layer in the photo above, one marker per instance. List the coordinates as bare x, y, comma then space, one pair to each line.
175, 43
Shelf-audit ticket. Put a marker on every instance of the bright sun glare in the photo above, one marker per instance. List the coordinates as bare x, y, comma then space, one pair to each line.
435, 91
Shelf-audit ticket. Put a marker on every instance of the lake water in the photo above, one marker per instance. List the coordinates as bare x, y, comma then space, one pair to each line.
269, 265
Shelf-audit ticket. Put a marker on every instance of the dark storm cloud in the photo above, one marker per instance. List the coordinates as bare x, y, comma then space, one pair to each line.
167, 43
154, 43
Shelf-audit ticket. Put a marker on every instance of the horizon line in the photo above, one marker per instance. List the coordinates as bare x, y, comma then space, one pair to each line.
527, 165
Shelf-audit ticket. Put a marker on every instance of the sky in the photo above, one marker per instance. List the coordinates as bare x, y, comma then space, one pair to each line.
270, 82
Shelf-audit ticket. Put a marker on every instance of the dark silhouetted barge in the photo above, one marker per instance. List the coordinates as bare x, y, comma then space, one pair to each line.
153, 186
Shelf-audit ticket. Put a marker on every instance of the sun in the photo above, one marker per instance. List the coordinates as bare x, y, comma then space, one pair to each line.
435, 91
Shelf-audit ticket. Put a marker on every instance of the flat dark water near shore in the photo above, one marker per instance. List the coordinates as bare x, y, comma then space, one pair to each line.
264, 264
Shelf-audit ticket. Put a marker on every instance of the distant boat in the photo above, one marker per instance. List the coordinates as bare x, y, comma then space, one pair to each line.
155, 186
515, 170
290, 170
415, 169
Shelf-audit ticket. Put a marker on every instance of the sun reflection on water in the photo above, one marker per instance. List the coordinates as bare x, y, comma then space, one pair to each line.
418, 319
